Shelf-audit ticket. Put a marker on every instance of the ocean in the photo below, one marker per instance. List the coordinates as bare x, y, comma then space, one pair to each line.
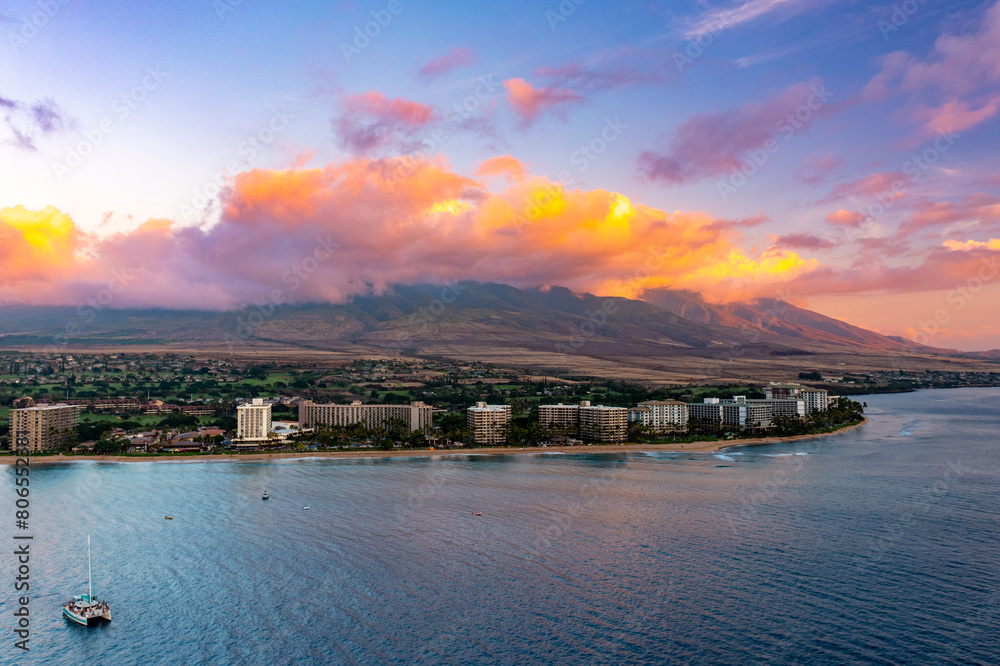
880, 545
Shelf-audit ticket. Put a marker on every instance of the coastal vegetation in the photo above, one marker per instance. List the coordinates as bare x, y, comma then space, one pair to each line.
841, 413
147, 391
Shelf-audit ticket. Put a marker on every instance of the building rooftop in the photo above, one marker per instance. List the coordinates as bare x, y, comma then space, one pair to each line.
41, 408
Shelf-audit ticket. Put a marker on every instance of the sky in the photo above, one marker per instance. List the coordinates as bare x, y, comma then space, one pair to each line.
213, 155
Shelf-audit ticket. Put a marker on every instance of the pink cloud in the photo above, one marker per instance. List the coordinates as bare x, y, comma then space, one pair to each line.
874, 249
936, 269
712, 143
817, 169
457, 57
888, 186
612, 69
959, 76
957, 64
530, 102
956, 116
939, 268
360, 226
302, 158
504, 165
804, 241
371, 120
752, 221
977, 212
846, 218
742, 223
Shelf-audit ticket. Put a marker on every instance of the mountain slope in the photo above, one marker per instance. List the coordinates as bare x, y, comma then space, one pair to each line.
470, 316
769, 316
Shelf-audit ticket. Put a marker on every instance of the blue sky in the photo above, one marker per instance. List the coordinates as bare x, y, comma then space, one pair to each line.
161, 96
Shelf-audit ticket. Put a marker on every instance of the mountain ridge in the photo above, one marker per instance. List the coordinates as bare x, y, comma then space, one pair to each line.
405, 317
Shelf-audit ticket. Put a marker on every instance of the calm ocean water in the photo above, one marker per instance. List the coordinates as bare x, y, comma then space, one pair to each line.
880, 546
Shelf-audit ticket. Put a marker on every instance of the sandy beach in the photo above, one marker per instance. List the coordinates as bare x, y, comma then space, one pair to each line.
701, 446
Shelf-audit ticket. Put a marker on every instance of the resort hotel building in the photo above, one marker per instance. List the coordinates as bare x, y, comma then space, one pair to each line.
816, 400
488, 423
660, 415
749, 413
599, 423
563, 419
594, 423
253, 421
43, 427
416, 415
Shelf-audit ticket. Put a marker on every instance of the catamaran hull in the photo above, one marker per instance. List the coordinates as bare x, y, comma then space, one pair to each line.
87, 622
74, 618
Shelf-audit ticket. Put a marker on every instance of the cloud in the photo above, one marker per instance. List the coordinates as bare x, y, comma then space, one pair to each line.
323, 235
991, 244
886, 186
379, 222
846, 218
817, 169
612, 69
804, 241
457, 57
502, 165
955, 115
971, 339
26, 123
959, 77
742, 223
716, 142
531, 103
875, 248
716, 20
36, 245
578, 75
48, 117
942, 268
371, 121
977, 212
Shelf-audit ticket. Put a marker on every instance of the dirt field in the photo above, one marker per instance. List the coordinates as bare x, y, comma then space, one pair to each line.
657, 366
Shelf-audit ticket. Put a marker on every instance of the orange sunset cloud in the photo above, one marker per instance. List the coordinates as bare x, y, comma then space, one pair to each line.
376, 222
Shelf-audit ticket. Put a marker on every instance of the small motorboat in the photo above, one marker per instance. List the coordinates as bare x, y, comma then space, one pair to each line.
478, 514
265, 495
168, 517
305, 508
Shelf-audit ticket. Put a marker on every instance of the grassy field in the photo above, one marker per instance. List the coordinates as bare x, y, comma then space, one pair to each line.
145, 419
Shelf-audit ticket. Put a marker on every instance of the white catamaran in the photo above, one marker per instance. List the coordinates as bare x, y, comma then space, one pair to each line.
86, 609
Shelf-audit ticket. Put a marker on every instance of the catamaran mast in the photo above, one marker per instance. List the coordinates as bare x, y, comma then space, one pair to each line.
90, 574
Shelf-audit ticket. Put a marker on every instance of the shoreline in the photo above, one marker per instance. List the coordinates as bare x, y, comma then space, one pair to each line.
705, 446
